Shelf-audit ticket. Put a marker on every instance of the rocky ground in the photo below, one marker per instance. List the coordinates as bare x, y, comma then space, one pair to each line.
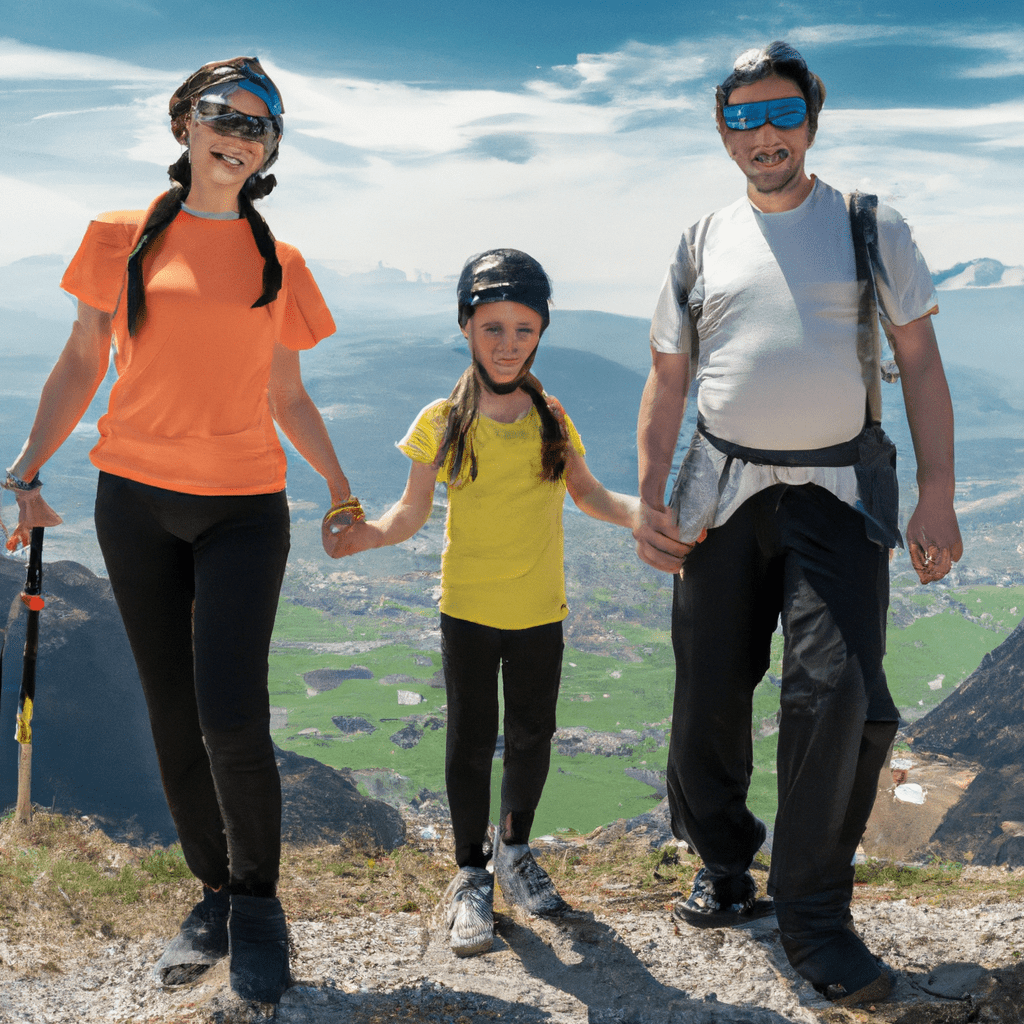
359, 957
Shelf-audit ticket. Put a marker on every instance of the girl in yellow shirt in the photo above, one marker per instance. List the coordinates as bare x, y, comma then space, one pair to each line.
508, 454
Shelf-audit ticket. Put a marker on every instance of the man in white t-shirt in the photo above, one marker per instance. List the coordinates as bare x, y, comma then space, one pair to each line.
786, 506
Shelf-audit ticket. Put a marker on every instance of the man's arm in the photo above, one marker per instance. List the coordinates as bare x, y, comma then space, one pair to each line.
661, 416
933, 535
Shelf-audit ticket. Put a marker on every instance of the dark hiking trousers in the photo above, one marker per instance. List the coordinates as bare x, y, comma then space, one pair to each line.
798, 553
531, 668
204, 673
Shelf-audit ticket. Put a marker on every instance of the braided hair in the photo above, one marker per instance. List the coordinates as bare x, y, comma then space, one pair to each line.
257, 186
499, 275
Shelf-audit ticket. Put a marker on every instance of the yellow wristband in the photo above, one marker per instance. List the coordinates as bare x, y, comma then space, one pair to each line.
344, 514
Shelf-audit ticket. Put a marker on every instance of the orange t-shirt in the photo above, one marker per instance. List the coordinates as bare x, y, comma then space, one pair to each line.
189, 410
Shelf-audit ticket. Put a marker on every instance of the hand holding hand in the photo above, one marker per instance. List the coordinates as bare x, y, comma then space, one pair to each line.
350, 540
657, 539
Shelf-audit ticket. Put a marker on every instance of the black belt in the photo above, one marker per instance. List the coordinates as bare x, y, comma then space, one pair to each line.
845, 454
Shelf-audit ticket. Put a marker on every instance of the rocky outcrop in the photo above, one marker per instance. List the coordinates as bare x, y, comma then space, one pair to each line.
981, 727
320, 680
92, 750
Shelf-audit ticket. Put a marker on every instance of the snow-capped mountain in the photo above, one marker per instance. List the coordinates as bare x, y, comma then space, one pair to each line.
983, 273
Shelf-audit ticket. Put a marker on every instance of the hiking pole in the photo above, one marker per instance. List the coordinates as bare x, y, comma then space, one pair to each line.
32, 598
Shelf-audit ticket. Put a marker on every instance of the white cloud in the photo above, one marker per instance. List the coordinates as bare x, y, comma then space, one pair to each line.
22, 62
595, 169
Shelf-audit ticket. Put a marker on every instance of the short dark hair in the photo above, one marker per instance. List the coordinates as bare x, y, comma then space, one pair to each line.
779, 59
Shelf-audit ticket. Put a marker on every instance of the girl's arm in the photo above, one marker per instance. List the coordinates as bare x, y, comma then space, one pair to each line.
399, 523
301, 421
592, 497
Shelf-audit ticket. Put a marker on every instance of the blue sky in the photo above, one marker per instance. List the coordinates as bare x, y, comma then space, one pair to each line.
419, 133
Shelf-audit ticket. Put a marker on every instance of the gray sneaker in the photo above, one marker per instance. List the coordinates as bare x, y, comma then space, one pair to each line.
470, 916
524, 883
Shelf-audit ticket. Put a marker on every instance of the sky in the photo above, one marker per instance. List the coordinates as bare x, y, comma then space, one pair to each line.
420, 133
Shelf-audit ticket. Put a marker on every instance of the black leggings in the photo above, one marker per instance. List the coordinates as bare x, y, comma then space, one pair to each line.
197, 580
531, 668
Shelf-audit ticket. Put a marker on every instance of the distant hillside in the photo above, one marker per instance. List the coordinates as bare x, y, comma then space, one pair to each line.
982, 723
92, 749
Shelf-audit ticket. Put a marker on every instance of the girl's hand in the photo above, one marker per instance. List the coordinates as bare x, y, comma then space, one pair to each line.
32, 511
350, 540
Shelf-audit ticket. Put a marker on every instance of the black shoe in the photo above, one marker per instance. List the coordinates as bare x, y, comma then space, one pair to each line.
722, 902
877, 991
524, 883
200, 943
258, 935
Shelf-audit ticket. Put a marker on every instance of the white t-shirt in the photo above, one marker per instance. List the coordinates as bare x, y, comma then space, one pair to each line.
770, 303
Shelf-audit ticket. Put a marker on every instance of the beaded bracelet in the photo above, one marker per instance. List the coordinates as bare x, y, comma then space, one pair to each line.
349, 508
15, 483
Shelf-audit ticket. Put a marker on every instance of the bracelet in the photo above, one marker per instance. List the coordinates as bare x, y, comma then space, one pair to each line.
350, 509
15, 483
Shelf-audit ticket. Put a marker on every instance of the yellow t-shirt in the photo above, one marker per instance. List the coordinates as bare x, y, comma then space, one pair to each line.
502, 564
189, 410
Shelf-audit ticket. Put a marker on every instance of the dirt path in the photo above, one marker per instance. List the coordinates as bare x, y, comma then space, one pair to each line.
627, 968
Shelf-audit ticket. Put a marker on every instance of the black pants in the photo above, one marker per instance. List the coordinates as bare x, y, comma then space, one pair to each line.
197, 580
531, 668
800, 553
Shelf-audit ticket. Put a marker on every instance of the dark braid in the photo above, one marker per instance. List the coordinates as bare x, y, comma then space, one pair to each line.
180, 173
554, 444
465, 400
272, 273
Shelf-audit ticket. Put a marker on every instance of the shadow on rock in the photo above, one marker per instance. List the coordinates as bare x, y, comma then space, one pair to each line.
427, 1003
587, 959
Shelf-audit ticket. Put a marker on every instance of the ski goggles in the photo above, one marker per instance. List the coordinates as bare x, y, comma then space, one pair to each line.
789, 112
212, 111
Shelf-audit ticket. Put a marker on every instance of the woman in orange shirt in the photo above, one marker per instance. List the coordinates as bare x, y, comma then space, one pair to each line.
208, 315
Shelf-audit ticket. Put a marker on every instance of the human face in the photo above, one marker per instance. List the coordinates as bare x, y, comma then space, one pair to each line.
501, 336
772, 158
227, 160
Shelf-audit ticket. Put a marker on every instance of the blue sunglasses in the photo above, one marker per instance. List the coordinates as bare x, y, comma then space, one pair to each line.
789, 112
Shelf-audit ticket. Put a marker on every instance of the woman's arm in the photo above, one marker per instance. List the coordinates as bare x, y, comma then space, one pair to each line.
399, 523
70, 387
592, 497
302, 423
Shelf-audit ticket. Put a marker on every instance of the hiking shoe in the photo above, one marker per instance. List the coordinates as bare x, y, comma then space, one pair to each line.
722, 902
876, 991
470, 914
199, 944
524, 883
258, 937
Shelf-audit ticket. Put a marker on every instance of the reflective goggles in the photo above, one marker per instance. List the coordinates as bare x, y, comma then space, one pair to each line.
225, 120
789, 112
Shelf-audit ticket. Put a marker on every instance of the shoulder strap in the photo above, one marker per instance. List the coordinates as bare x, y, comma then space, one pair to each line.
864, 226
